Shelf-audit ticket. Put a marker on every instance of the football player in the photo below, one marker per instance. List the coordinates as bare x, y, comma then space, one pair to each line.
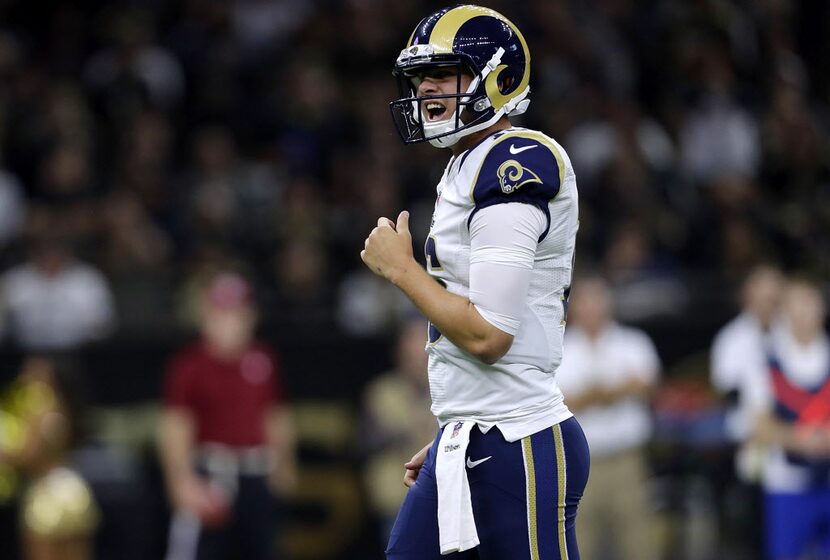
508, 467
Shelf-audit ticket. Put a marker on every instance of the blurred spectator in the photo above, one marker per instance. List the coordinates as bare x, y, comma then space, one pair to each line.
606, 375
740, 344
303, 299
213, 201
719, 137
796, 173
229, 197
397, 420
302, 216
621, 132
65, 200
644, 284
310, 101
262, 24
207, 260
135, 71
794, 146
12, 209
53, 301
788, 397
67, 117
226, 440
736, 350
144, 165
42, 424
136, 257
368, 306
741, 245
647, 102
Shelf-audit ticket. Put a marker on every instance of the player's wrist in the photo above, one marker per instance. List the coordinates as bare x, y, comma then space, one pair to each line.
400, 275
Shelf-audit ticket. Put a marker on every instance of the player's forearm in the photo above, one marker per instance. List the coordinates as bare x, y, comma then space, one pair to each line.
586, 399
602, 396
633, 388
282, 450
281, 439
771, 431
388, 253
455, 316
176, 447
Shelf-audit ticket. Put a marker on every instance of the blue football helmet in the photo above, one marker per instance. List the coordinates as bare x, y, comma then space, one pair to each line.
472, 39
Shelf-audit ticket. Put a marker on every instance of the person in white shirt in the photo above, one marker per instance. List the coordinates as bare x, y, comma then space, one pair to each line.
740, 342
789, 399
606, 375
499, 257
736, 348
54, 302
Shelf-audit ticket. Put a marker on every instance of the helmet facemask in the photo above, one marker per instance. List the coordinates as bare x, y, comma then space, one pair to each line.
473, 104
408, 111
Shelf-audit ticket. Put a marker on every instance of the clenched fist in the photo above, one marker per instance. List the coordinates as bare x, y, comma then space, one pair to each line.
388, 249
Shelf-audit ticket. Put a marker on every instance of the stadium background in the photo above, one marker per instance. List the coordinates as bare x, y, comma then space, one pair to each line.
167, 139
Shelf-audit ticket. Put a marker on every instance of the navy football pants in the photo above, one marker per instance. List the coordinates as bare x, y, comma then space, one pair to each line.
524, 498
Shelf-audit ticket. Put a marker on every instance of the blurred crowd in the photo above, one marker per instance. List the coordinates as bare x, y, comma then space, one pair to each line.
155, 141
146, 146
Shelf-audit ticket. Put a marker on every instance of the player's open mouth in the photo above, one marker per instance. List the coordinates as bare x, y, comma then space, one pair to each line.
434, 111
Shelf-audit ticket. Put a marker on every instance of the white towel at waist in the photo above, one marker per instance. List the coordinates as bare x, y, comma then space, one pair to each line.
456, 525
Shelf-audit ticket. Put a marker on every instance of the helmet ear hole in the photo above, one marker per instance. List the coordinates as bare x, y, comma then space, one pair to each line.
505, 83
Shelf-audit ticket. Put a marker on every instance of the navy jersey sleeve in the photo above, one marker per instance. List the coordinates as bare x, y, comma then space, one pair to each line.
518, 169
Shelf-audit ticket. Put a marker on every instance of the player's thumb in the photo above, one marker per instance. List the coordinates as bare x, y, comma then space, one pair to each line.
403, 222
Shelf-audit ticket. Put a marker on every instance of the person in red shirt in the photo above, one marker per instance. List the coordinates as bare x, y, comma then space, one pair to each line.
226, 443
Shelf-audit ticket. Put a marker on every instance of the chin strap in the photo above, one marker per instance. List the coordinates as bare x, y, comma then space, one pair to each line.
491, 65
451, 139
514, 107
518, 104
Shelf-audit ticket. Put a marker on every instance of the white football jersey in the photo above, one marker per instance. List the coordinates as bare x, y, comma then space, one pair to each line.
518, 393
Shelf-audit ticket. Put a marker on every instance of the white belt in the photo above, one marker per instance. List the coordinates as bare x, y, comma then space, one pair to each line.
224, 461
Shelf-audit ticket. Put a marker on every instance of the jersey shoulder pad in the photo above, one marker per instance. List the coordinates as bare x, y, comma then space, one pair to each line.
521, 166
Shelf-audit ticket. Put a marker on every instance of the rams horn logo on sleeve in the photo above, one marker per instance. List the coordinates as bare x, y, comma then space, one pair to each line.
512, 176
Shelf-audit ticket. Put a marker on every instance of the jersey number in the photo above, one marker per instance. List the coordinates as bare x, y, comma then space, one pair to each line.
432, 257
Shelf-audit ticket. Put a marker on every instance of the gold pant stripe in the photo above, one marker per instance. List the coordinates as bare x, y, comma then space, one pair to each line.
530, 475
561, 475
